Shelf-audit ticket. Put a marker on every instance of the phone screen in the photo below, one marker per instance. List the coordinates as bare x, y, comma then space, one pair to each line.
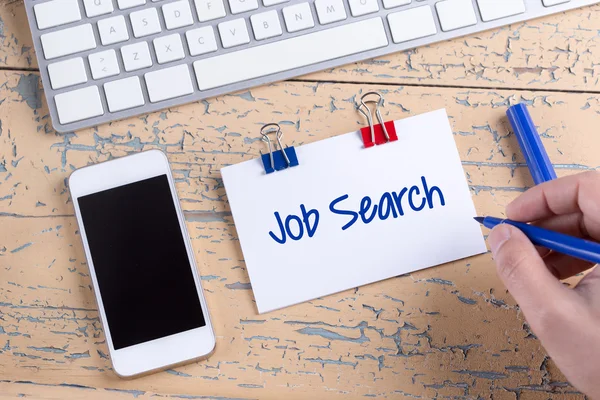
139, 255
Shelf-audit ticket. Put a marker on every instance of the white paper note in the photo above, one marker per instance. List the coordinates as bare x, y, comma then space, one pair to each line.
424, 214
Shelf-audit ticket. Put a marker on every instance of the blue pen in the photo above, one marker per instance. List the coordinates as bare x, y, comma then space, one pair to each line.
531, 145
542, 171
565, 244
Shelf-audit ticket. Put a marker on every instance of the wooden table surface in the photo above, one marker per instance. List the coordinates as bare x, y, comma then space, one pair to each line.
448, 332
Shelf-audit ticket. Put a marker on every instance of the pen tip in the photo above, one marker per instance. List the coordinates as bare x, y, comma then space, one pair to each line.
478, 219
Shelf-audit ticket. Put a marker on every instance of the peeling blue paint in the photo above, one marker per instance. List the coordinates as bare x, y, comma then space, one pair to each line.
209, 277
393, 299
26, 245
266, 338
323, 362
467, 300
102, 354
178, 373
246, 96
78, 355
76, 386
28, 88
328, 308
517, 368
21, 354
330, 335
440, 281
239, 286
249, 141
273, 370
482, 374
134, 393
48, 349
252, 321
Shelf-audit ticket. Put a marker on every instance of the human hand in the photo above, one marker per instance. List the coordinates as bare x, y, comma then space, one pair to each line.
567, 321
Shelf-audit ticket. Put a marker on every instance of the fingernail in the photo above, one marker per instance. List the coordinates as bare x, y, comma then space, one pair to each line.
499, 235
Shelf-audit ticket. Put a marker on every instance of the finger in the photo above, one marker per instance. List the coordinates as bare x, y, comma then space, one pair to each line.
571, 194
524, 273
569, 224
563, 266
555, 313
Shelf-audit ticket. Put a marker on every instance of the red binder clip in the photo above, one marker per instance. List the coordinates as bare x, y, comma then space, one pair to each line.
382, 132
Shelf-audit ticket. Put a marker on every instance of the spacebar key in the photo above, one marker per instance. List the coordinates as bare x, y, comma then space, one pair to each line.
291, 53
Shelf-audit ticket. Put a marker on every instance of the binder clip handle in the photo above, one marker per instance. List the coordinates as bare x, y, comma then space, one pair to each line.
379, 133
366, 111
277, 159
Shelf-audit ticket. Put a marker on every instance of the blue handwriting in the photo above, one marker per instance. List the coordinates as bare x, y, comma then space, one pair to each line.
390, 204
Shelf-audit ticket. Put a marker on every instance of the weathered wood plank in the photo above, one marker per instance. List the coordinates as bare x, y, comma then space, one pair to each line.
200, 138
447, 331
406, 335
16, 44
556, 52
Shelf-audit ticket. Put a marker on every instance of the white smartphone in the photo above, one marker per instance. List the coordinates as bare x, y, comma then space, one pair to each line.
142, 264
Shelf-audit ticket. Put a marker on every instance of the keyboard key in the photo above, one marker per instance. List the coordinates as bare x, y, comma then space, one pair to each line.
104, 64
362, 7
136, 56
67, 73
93, 8
268, 3
308, 49
298, 17
240, 6
56, 12
412, 24
233, 33
78, 104
113, 30
68, 41
496, 9
169, 83
168, 48
177, 14
266, 25
145, 22
455, 14
209, 9
201, 40
550, 3
123, 4
330, 11
395, 3
124, 94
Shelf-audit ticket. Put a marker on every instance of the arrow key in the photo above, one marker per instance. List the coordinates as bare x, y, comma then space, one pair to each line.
103, 64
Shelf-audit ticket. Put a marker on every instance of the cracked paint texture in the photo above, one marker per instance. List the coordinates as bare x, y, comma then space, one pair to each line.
447, 332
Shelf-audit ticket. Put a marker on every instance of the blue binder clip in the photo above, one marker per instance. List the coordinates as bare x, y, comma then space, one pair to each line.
278, 159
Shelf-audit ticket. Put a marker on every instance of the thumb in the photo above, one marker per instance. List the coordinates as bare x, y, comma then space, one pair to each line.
524, 273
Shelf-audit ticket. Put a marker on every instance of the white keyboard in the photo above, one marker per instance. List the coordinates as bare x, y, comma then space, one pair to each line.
103, 60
